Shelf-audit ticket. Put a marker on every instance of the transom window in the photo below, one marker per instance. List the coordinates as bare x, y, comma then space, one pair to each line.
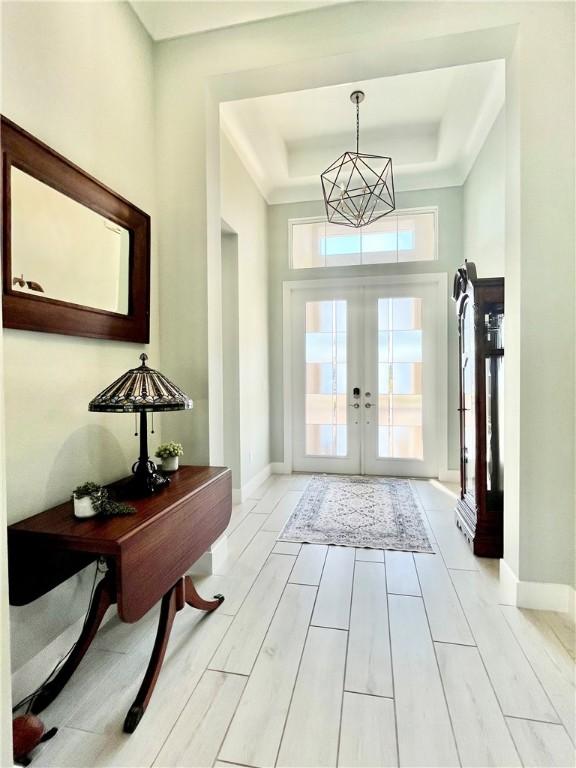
408, 235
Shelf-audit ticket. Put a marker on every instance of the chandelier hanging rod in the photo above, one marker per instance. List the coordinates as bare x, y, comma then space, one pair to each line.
357, 97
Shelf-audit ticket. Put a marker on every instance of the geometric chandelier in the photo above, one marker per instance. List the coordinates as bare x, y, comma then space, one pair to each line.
358, 188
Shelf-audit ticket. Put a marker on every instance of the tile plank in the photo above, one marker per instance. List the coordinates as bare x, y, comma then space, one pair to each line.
313, 724
239, 540
239, 512
309, 565
481, 733
550, 661
287, 548
256, 730
368, 733
267, 503
332, 607
239, 648
195, 739
370, 555
64, 749
420, 702
194, 638
518, 690
238, 581
445, 615
401, 577
368, 667
563, 626
542, 745
450, 541
282, 511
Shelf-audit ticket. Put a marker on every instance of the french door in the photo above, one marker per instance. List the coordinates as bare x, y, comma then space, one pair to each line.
364, 380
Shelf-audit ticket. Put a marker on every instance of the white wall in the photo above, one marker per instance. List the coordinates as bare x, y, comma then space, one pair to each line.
485, 205
363, 40
449, 204
78, 76
244, 209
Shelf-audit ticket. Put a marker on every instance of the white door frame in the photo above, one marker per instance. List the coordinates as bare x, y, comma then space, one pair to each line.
436, 279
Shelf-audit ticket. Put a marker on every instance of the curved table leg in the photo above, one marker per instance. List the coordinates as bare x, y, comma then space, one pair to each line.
193, 598
104, 596
170, 605
181, 593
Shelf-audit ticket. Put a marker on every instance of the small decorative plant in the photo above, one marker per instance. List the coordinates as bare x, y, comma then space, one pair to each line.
91, 499
169, 453
169, 450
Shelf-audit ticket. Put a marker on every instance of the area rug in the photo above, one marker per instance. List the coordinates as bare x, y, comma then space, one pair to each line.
376, 512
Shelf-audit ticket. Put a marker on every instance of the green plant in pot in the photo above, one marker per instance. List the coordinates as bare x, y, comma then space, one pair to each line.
169, 453
91, 499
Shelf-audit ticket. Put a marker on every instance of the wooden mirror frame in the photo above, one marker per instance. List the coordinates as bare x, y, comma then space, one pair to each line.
39, 313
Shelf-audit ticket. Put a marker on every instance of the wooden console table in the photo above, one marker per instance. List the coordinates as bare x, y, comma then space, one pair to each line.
147, 555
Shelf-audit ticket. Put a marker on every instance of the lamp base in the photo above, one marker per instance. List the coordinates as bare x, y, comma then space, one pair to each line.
145, 480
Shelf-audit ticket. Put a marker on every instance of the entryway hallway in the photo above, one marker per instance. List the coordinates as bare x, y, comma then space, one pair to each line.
325, 656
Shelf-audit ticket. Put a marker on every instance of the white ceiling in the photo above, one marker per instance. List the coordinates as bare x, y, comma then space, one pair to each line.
432, 124
173, 18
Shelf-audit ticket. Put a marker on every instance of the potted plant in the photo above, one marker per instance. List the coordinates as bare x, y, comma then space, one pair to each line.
91, 499
87, 499
169, 453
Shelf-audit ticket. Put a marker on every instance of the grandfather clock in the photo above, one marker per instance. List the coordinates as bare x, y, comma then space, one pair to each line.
480, 314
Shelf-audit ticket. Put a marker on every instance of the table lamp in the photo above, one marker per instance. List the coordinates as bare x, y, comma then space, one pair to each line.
142, 390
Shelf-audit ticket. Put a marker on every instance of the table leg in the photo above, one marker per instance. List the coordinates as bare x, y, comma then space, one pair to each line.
193, 598
104, 596
173, 601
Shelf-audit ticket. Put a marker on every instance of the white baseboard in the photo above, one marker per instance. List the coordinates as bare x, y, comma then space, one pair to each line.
449, 476
281, 468
538, 595
240, 495
212, 558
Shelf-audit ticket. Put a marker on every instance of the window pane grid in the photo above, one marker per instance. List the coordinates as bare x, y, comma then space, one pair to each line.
400, 378
400, 237
325, 398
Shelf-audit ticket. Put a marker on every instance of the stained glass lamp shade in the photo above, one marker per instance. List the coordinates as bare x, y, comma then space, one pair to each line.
142, 390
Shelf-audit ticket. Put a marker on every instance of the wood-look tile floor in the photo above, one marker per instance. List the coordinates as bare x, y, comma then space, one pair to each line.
330, 656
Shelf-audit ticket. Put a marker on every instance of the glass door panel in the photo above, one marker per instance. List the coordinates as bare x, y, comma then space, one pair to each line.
400, 378
326, 375
399, 361
326, 423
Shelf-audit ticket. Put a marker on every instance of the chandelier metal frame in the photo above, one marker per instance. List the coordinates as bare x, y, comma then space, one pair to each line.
358, 188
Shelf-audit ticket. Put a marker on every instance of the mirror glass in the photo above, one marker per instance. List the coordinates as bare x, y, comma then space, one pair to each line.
63, 250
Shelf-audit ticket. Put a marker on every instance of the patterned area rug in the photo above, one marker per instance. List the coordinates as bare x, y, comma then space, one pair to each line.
376, 512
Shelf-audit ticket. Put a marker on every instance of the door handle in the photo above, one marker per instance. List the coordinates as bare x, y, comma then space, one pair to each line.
354, 405
368, 405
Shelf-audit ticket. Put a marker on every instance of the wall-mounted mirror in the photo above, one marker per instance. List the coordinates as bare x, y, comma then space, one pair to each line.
75, 254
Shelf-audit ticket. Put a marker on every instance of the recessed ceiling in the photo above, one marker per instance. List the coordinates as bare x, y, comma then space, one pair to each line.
432, 124
173, 18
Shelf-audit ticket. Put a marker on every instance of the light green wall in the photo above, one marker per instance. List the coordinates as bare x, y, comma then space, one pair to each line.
79, 77
484, 204
244, 210
231, 355
449, 203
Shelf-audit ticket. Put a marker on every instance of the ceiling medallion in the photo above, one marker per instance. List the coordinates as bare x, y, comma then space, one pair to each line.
358, 189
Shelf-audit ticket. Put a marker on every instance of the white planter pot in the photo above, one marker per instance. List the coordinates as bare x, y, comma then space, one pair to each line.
170, 464
84, 508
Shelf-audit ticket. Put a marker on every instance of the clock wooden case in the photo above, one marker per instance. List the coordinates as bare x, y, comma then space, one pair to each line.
480, 316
